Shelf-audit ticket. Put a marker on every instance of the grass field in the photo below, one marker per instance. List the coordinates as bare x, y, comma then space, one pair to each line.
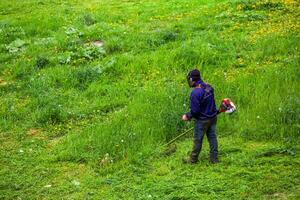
91, 90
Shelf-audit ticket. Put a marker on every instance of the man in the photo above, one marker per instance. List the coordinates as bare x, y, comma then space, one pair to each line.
203, 110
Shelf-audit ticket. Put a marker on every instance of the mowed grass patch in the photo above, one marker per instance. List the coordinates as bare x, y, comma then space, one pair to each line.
248, 169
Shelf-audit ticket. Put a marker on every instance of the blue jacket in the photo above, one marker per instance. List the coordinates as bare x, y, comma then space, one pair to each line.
202, 102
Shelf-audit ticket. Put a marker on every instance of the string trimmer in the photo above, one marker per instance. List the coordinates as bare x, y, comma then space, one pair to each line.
227, 106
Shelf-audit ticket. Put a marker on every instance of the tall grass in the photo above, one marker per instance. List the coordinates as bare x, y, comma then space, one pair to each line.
126, 97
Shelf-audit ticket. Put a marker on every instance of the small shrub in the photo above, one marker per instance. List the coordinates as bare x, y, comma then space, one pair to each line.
86, 76
169, 36
88, 20
41, 62
52, 113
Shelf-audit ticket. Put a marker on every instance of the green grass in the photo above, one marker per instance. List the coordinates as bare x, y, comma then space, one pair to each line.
66, 105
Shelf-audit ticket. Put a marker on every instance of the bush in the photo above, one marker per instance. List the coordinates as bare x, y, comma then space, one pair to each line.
41, 62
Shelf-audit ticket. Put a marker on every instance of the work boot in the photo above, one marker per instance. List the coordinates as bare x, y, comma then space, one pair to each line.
189, 160
214, 160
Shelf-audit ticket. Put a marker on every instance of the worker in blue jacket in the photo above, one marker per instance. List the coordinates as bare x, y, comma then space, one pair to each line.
203, 110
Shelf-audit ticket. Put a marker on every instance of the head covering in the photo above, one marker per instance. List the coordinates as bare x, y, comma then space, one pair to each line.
193, 77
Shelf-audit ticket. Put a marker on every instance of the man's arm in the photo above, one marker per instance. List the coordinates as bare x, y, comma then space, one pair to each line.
194, 106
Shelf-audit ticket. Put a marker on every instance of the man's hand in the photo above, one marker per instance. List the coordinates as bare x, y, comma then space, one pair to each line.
185, 118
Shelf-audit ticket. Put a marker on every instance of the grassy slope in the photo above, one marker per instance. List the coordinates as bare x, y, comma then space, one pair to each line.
59, 120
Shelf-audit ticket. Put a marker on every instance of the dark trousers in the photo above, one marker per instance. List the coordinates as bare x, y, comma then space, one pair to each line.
207, 127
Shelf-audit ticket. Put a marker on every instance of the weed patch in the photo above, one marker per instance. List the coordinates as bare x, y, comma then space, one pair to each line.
16, 46
41, 62
250, 5
88, 19
86, 76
